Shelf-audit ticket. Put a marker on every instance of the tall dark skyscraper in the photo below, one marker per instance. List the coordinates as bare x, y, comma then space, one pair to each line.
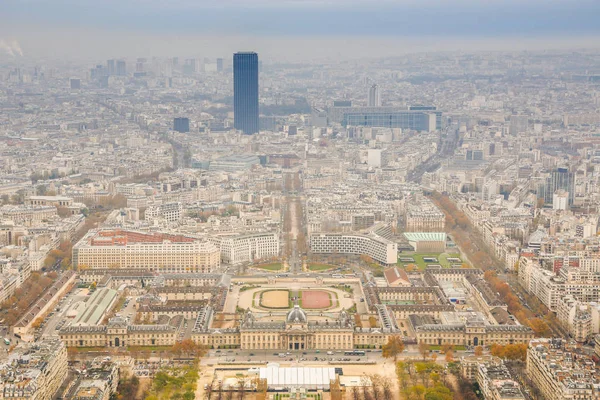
219, 65
245, 92
110, 66
75, 83
181, 125
121, 68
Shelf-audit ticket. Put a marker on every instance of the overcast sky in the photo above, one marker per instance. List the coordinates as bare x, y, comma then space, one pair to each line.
131, 27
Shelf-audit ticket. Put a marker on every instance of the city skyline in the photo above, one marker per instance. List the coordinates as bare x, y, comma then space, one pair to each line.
330, 200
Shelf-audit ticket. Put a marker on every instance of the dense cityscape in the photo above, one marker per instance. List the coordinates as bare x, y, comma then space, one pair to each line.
415, 227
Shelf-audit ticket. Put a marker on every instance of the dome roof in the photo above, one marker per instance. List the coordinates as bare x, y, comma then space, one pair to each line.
296, 316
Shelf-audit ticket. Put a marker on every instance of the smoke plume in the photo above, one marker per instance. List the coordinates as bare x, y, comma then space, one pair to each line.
11, 48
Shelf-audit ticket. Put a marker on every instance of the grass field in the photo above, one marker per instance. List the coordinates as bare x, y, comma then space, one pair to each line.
320, 267
270, 267
421, 264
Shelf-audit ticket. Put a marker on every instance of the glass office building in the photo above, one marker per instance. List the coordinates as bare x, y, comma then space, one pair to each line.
413, 120
245, 92
181, 125
559, 179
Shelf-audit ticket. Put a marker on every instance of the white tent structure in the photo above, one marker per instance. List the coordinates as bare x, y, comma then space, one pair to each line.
308, 378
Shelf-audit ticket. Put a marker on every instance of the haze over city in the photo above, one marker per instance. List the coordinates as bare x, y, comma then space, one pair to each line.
324, 200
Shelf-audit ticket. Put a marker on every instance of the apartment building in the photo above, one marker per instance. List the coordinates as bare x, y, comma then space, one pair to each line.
170, 212
34, 371
581, 319
27, 215
496, 383
561, 373
425, 220
99, 382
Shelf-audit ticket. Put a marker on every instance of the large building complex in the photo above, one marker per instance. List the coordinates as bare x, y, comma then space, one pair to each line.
154, 251
239, 248
378, 248
408, 119
119, 333
245, 92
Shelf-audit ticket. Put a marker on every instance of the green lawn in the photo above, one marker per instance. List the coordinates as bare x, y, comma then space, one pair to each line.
270, 267
320, 267
421, 264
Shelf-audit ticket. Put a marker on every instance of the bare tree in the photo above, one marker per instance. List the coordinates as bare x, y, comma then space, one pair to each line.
377, 385
366, 388
386, 387
209, 392
220, 391
241, 384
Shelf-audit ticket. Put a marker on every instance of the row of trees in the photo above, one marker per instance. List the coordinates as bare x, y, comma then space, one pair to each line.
470, 242
62, 255
373, 387
538, 325
514, 352
16, 305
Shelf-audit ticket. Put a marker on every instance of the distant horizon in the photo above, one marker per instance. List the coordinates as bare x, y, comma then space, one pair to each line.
96, 46
291, 29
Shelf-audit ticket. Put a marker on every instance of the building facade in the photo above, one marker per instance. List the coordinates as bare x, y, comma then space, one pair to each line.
247, 247
559, 372
378, 248
245, 92
162, 252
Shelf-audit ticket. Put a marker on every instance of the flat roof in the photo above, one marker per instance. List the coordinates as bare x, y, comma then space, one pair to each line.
425, 236
96, 306
288, 377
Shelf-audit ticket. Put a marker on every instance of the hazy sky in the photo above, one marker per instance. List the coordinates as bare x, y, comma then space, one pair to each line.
194, 27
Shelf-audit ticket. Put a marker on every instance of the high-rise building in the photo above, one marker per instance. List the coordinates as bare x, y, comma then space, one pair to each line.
75, 83
181, 125
559, 179
245, 92
110, 66
374, 96
98, 72
140, 64
518, 124
121, 69
219, 65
